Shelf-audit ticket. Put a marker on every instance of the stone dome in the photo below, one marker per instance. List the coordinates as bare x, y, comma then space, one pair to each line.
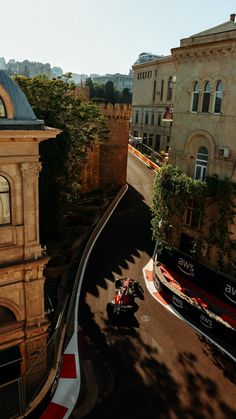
22, 115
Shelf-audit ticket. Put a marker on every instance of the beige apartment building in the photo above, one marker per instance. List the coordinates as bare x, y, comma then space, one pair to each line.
153, 92
23, 322
198, 81
203, 137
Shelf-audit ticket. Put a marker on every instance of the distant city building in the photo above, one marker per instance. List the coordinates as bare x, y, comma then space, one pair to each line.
31, 69
27, 68
120, 81
93, 75
2, 63
78, 78
57, 72
144, 57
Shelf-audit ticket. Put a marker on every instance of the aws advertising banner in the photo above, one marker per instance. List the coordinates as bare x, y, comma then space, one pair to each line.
217, 284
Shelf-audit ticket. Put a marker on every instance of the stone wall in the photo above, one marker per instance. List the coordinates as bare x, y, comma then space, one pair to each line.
107, 163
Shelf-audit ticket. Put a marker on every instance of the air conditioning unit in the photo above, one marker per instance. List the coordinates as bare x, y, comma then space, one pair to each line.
224, 152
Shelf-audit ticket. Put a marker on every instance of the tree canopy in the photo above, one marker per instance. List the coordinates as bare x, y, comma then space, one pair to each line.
107, 93
58, 103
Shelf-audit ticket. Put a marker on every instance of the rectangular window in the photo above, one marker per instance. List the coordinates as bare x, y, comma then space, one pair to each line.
195, 102
5, 217
152, 119
206, 102
193, 216
200, 172
136, 117
158, 142
162, 89
146, 117
154, 90
150, 140
218, 101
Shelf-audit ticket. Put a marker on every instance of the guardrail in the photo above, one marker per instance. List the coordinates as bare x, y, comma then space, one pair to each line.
149, 156
69, 383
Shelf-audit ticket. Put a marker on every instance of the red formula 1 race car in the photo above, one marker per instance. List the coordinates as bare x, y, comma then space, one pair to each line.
124, 297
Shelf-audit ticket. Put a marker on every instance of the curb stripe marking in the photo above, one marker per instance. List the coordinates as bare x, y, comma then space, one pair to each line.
54, 411
68, 368
149, 275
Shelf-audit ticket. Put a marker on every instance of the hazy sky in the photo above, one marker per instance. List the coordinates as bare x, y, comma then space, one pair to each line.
102, 36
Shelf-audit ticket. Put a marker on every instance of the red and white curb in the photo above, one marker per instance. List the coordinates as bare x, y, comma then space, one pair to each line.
149, 278
148, 275
68, 388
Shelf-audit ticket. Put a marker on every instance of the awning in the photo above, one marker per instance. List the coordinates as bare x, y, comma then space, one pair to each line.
10, 355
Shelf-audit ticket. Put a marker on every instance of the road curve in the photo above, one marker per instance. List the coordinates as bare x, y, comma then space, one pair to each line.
161, 366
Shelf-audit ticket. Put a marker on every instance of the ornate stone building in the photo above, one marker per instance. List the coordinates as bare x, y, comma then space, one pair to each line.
204, 124
153, 92
23, 324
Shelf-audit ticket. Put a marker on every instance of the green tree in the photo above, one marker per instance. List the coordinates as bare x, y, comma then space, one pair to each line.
126, 96
89, 84
56, 102
173, 191
109, 92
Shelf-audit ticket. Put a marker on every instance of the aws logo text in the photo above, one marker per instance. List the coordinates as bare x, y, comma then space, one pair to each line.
177, 301
206, 321
230, 293
186, 267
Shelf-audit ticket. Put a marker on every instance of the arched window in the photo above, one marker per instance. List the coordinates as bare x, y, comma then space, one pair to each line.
169, 92
195, 97
218, 97
6, 316
2, 109
201, 163
206, 97
5, 215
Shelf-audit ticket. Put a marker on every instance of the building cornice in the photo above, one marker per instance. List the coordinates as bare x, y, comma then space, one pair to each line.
203, 52
29, 135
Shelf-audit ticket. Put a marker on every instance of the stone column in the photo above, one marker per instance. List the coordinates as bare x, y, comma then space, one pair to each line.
30, 174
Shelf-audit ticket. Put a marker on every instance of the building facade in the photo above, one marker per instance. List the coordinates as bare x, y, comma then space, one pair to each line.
153, 93
28, 68
23, 323
203, 132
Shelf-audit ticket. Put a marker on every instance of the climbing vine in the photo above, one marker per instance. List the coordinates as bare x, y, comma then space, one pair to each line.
223, 191
172, 193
